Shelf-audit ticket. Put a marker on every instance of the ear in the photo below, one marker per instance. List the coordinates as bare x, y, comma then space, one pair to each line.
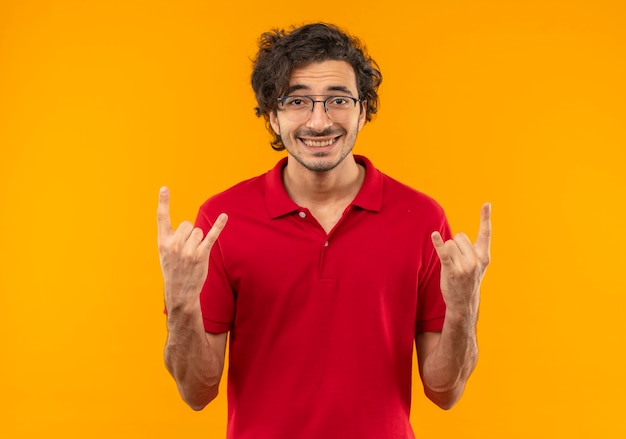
363, 115
274, 122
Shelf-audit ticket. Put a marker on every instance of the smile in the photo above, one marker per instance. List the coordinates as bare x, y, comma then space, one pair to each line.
319, 143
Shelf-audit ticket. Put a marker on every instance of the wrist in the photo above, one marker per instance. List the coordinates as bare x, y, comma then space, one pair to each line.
182, 312
462, 317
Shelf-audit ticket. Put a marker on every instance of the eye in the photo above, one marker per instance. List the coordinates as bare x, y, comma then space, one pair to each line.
339, 101
295, 101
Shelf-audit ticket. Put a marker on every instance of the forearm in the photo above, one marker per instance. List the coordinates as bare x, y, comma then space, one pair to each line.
448, 367
195, 365
449, 361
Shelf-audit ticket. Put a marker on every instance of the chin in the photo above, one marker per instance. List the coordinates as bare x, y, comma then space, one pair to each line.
322, 162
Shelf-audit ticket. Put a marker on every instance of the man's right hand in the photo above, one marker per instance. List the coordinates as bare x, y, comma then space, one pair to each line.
184, 255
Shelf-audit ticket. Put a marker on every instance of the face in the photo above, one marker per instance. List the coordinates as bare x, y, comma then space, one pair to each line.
317, 143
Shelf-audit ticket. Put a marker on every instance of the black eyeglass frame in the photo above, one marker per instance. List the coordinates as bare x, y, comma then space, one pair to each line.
314, 101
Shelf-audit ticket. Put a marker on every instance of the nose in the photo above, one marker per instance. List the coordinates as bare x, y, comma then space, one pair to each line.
318, 119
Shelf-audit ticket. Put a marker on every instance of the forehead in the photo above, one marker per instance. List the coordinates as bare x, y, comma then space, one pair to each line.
322, 77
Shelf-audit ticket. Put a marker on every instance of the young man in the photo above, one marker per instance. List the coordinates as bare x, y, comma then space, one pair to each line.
327, 272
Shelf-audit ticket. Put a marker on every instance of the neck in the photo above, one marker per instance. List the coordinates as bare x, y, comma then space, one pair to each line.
310, 188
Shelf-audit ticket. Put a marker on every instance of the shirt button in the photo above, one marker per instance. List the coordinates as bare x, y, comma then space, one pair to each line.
302, 215
326, 244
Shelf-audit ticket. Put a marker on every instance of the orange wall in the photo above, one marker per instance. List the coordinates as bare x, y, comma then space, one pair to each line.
520, 103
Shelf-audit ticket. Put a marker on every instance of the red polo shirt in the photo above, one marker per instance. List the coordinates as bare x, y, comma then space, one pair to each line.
322, 325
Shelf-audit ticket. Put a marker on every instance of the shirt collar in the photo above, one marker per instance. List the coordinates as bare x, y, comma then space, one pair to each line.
370, 196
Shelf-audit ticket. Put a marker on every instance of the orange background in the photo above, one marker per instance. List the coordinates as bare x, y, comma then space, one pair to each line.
521, 103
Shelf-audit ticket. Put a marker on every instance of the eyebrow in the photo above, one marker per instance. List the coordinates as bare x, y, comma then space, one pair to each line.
298, 87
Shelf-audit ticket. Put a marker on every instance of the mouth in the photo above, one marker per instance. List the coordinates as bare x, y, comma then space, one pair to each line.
318, 143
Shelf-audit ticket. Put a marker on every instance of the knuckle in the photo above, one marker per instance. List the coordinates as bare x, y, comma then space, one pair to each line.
199, 258
185, 226
187, 254
472, 265
175, 246
460, 236
197, 233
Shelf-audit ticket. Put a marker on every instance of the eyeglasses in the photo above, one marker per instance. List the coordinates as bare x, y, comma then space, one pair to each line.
299, 108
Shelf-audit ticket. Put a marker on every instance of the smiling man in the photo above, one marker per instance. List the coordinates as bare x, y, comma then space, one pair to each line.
328, 272
314, 140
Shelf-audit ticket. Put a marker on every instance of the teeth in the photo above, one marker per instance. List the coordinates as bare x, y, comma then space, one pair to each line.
314, 143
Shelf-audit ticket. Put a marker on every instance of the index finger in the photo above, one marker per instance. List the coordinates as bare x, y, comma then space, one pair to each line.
163, 212
483, 241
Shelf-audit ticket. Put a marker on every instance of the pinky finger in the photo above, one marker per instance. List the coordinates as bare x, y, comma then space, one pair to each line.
440, 248
215, 231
